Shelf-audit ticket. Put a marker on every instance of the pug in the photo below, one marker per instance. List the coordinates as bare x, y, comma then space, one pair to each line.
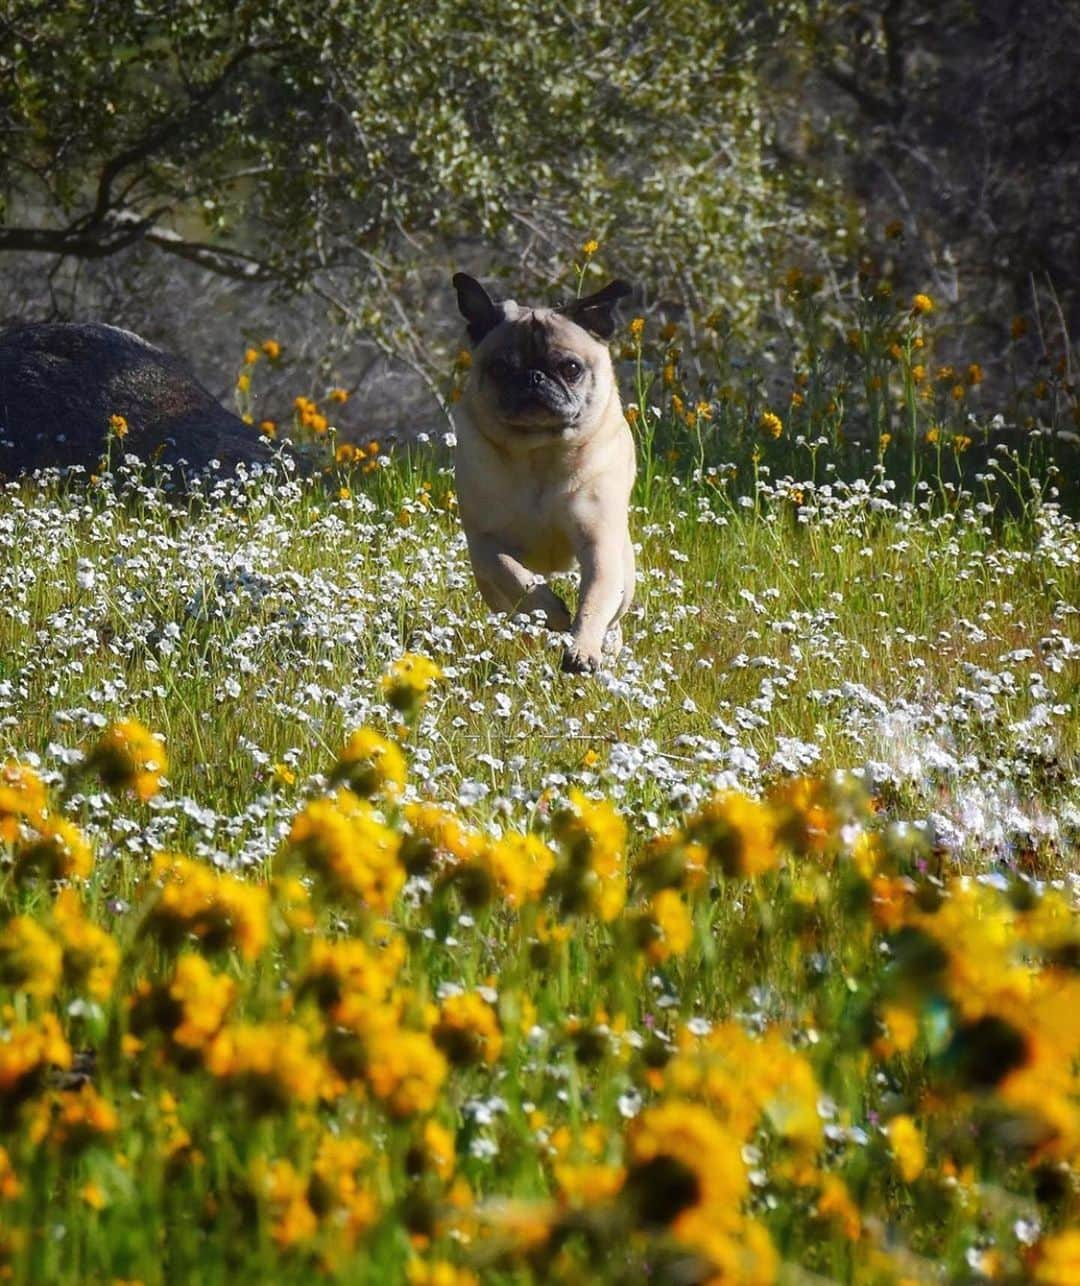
545, 463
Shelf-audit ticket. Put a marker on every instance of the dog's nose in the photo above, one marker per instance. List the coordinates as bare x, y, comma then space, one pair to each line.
536, 378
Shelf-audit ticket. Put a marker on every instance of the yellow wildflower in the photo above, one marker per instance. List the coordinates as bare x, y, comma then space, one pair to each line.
30, 959
434, 1152
9, 1183
468, 1030
801, 814
908, 1147
685, 1172
90, 956
771, 424
667, 927
520, 866
438, 1272
60, 851
292, 903
271, 1064
221, 910
592, 873
292, 1219
408, 681
128, 756
922, 304
588, 1184
84, 1118
1055, 1260
405, 1070
370, 765
337, 969
435, 833
189, 1008
22, 799
344, 841
201, 998
26, 1051
835, 1203
738, 834
749, 1080
93, 1195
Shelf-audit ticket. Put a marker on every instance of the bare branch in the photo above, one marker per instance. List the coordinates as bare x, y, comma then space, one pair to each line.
124, 229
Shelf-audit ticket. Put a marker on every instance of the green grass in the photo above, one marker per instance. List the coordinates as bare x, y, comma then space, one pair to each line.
735, 606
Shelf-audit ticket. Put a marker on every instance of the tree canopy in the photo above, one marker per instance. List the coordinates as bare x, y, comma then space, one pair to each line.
283, 141
341, 147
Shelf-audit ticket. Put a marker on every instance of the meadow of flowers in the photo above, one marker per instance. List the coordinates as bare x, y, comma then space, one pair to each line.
341, 936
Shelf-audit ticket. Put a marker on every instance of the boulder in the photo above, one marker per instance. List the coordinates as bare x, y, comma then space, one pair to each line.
60, 383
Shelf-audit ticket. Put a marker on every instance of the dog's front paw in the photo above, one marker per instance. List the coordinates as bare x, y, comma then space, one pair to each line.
580, 660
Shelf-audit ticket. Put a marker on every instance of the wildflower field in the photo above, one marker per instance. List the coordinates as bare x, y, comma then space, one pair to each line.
344, 937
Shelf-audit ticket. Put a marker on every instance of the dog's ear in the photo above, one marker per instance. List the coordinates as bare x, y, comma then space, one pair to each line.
596, 313
477, 307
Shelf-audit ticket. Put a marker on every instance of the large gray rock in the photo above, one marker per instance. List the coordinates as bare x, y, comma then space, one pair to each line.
61, 382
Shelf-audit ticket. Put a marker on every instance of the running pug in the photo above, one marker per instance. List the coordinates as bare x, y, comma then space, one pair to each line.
545, 463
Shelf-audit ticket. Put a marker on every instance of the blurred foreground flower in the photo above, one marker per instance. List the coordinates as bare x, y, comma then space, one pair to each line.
128, 756
22, 799
59, 851
220, 910
370, 764
344, 841
408, 681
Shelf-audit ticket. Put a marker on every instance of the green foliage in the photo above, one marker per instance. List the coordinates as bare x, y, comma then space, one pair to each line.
318, 136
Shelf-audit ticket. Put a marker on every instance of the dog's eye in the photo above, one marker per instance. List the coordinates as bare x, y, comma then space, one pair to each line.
570, 369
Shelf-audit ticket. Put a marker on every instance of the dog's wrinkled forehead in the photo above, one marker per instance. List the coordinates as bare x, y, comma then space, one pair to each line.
534, 332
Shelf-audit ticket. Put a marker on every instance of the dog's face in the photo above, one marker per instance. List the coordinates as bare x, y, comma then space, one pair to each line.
538, 374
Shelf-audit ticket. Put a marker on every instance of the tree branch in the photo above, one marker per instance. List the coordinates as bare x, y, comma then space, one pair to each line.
81, 242
219, 259
164, 132
123, 229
